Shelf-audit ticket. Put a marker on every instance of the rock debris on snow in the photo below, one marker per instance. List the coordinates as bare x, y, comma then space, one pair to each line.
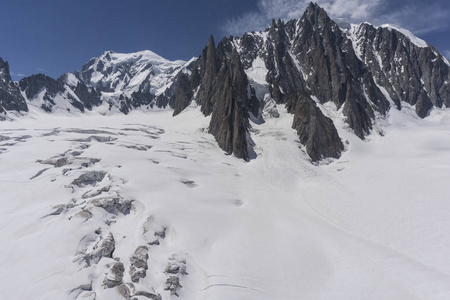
114, 205
115, 275
89, 178
138, 268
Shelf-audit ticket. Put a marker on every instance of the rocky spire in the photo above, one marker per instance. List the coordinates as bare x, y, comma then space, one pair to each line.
211, 58
183, 94
335, 72
229, 119
10, 96
210, 73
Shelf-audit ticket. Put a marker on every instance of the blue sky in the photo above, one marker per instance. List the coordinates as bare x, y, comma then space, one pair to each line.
57, 36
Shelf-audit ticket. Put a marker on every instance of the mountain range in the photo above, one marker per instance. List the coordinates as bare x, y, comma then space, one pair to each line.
312, 66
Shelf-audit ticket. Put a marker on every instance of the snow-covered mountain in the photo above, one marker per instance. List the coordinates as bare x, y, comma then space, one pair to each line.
311, 65
50, 95
406, 67
110, 83
316, 69
128, 81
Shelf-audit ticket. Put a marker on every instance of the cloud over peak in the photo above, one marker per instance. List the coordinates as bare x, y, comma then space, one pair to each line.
447, 54
416, 16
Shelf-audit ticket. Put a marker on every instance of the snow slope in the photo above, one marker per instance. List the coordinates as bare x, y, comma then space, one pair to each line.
372, 225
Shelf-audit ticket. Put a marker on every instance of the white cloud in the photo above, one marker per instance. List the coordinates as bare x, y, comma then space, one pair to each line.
446, 53
18, 74
416, 16
421, 17
248, 22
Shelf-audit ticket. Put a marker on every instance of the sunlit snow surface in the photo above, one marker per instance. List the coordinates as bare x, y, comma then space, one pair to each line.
372, 225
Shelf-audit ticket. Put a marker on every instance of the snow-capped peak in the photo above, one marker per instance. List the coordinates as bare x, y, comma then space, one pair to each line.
414, 39
145, 56
124, 73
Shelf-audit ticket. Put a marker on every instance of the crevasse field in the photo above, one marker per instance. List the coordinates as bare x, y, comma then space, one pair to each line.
372, 225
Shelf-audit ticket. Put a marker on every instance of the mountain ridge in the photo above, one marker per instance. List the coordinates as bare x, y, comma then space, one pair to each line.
303, 63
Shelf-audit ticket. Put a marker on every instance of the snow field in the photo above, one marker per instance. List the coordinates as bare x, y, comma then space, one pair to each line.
370, 225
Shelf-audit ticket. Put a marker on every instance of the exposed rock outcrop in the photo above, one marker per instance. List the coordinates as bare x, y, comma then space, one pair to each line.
223, 94
88, 96
114, 205
410, 71
138, 268
312, 56
210, 67
114, 276
10, 96
49, 93
104, 248
183, 93
229, 118
173, 285
334, 73
315, 130
89, 178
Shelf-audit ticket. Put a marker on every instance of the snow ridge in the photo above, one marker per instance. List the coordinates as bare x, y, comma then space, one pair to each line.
414, 39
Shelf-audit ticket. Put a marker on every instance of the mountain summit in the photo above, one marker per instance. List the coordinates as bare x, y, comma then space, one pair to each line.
310, 66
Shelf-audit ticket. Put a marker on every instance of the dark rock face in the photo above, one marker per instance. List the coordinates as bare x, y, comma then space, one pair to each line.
89, 96
32, 85
312, 56
283, 77
226, 93
411, 73
183, 93
313, 60
333, 72
303, 58
229, 119
315, 130
211, 68
35, 84
10, 96
222, 93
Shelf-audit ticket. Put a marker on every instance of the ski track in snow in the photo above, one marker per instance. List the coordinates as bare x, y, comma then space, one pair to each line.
371, 225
